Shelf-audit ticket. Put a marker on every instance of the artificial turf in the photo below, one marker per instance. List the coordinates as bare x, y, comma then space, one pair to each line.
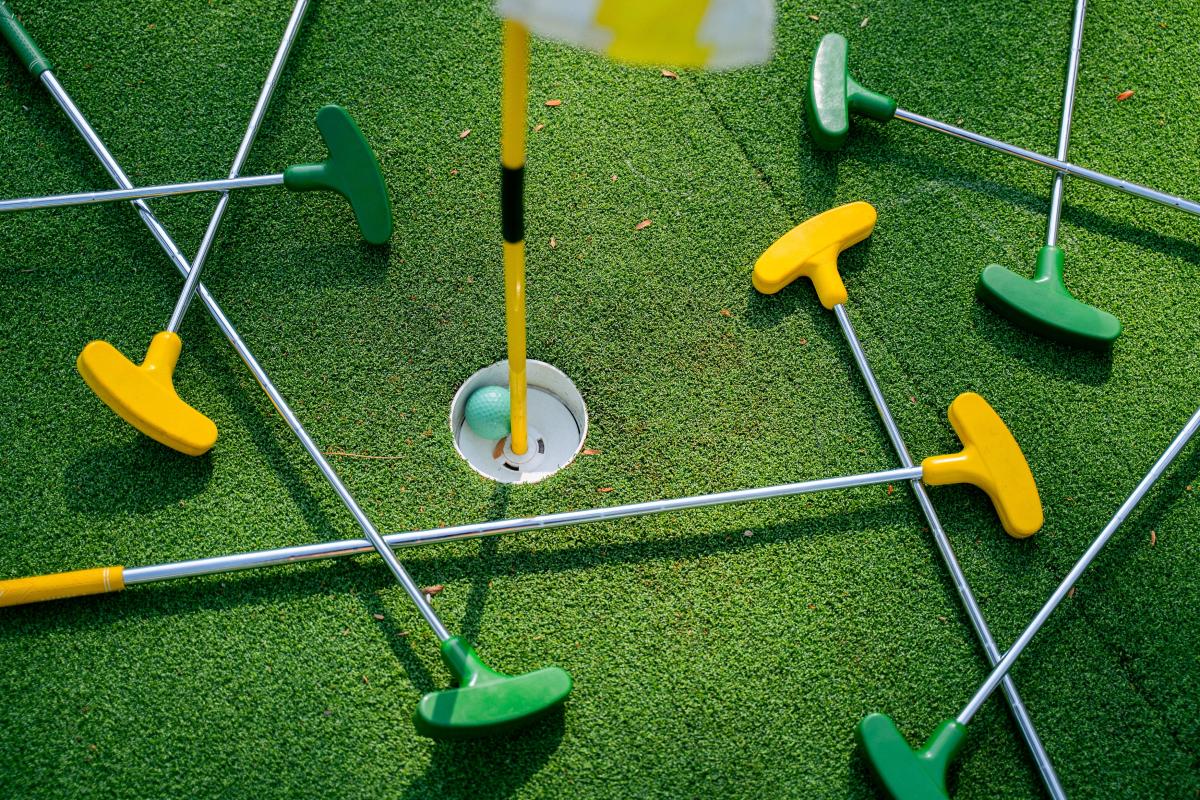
726, 652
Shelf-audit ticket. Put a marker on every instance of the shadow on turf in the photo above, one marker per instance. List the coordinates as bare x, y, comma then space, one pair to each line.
1064, 361
472, 620
136, 476
349, 575
871, 149
498, 766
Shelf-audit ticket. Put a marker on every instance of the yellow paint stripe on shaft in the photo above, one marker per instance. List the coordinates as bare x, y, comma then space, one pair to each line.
514, 94
514, 316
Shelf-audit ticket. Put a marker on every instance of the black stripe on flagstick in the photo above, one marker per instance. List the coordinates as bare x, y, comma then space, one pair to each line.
512, 210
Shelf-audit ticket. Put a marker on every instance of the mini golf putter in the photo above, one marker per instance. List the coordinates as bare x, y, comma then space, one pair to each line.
921, 775
525, 701
144, 395
351, 170
1044, 305
991, 458
487, 702
811, 250
834, 96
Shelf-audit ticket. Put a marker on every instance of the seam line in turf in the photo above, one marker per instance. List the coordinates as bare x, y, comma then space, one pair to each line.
1116, 652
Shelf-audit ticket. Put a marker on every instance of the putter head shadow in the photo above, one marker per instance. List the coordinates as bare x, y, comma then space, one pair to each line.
992, 460
811, 249
833, 95
351, 170
1044, 305
908, 775
143, 395
487, 702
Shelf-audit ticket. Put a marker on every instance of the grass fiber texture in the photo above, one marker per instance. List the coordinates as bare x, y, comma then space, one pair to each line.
725, 652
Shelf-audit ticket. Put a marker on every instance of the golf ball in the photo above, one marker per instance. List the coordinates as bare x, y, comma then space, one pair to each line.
487, 412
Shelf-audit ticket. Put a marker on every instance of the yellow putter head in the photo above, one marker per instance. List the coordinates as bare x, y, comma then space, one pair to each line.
811, 249
991, 460
144, 396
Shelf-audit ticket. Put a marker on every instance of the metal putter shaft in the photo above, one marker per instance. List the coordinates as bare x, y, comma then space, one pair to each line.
818, 241
1044, 304
834, 95
922, 775
351, 170
990, 459
139, 393
487, 702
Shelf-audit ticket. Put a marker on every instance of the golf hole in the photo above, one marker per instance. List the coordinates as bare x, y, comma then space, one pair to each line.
557, 426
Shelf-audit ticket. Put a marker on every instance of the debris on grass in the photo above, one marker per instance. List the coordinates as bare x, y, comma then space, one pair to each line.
613, 178
553, 243
891, 489
803, 342
539, 127
725, 312
554, 103
365, 681
588, 451
1071, 592
747, 533
379, 617
604, 489
454, 171
433, 591
465, 134
815, 17
1153, 538
641, 226
666, 73
1125, 95
863, 24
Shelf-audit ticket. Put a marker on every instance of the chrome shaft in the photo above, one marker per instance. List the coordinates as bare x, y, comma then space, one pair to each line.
239, 161
137, 193
160, 234
1183, 204
350, 547
1001, 669
974, 612
1064, 129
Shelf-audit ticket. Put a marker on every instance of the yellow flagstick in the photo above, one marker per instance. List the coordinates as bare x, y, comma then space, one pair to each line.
514, 97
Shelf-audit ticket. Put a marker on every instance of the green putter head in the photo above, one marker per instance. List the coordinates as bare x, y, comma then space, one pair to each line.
1043, 304
487, 702
833, 95
905, 774
351, 170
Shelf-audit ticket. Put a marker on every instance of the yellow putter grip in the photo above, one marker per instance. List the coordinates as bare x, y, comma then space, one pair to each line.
20, 591
811, 249
992, 460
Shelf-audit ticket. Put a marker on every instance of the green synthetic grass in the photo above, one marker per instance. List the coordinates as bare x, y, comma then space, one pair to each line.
726, 652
